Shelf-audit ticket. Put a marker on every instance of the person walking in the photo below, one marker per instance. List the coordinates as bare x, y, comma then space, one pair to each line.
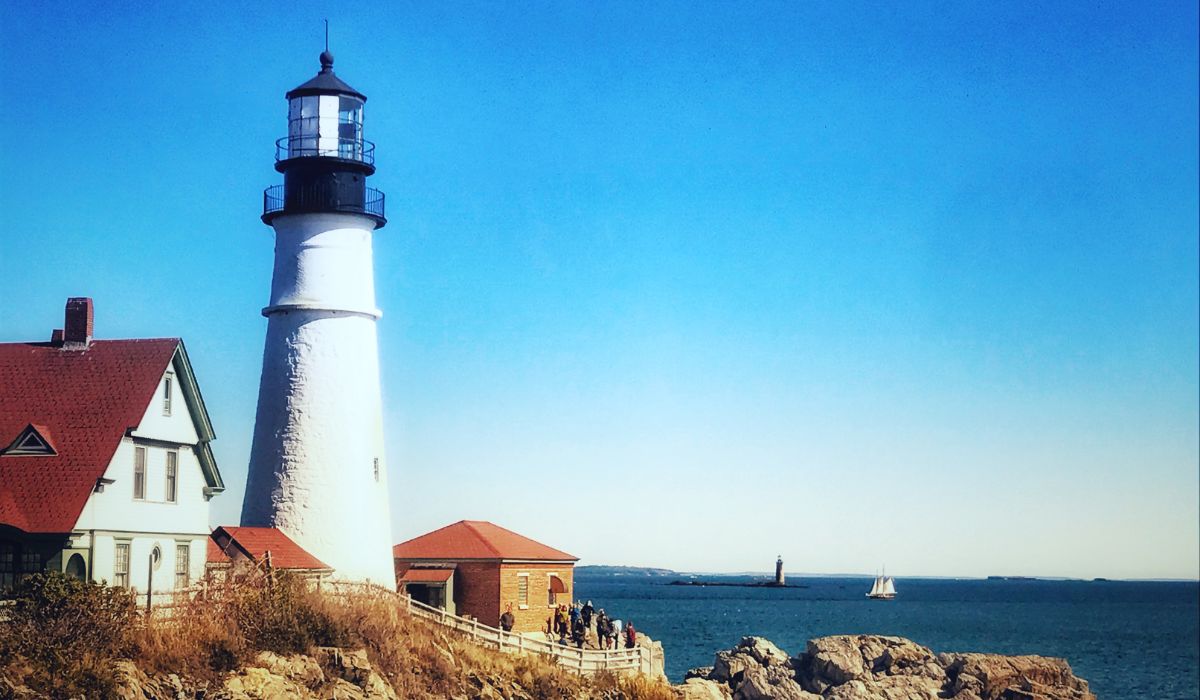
601, 629
561, 624
616, 634
507, 620
630, 635
578, 632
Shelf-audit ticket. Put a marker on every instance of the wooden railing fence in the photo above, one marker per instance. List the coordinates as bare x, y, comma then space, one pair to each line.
638, 659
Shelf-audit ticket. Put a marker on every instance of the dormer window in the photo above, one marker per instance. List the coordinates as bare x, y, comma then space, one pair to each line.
168, 387
31, 442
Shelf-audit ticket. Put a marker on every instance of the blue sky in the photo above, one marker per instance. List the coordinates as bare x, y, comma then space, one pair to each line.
685, 285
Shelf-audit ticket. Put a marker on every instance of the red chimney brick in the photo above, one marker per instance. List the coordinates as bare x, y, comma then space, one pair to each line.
78, 328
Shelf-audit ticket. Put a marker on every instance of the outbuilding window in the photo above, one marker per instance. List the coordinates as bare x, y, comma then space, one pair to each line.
523, 591
555, 588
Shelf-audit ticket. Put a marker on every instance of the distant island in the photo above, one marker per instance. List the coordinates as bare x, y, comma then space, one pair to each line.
624, 570
736, 584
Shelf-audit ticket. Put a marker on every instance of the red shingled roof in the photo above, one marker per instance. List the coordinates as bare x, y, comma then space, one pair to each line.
215, 554
257, 541
476, 539
84, 401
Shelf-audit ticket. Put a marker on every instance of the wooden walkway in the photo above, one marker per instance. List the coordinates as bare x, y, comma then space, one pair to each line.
640, 659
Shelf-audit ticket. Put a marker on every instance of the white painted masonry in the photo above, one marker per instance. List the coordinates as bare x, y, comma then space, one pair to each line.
319, 426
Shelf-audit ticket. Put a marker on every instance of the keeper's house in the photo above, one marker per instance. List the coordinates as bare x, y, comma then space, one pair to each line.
474, 568
105, 467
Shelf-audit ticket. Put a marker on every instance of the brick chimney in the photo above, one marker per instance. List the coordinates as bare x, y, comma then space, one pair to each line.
77, 332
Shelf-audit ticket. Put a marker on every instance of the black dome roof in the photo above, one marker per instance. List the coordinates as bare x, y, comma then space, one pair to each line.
326, 83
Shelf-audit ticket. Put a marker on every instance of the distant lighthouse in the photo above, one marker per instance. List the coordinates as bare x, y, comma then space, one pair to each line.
779, 571
317, 466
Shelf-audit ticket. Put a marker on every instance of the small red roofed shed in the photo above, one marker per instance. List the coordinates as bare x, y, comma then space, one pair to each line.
476, 568
229, 545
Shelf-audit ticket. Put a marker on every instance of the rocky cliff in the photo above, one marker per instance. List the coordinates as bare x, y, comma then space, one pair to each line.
857, 667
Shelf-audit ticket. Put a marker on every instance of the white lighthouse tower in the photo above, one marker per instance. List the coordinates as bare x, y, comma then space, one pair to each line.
317, 466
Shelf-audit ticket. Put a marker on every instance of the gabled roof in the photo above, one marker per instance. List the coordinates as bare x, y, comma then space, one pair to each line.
255, 542
83, 400
476, 539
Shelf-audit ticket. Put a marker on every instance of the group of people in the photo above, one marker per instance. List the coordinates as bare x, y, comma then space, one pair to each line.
585, 625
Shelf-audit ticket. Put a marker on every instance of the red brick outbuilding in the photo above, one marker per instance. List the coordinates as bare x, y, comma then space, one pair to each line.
475, 568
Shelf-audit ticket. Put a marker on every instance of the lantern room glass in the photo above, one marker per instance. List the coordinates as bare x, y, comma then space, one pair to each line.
325, 125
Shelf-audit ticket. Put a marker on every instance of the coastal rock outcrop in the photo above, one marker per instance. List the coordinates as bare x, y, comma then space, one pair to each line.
862, 667
996, 677
332, 673
328, 672
703, 689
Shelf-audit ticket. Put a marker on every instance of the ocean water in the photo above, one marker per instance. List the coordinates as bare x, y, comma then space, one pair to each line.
1127, 639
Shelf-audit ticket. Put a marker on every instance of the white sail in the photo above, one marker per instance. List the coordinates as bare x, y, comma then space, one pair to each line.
877, 588
889, 586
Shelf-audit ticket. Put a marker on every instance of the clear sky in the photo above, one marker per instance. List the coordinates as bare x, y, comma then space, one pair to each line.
676, 284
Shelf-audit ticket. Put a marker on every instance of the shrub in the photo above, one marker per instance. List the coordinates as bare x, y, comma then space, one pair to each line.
218, 632
284, 616
68, 632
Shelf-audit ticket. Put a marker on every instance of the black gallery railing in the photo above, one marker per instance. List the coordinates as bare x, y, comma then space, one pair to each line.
274, 201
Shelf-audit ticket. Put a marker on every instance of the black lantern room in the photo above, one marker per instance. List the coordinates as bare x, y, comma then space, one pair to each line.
324, 158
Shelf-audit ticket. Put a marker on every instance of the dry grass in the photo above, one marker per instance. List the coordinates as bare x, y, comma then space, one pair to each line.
207, 637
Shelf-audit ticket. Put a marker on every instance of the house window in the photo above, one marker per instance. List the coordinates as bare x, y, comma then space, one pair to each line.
523, 591
172, 476
121, 565
181, 565
139, 473
31, 563
167, 387
376, 469
7, 566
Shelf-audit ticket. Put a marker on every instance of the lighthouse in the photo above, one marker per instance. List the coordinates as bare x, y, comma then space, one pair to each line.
317, 465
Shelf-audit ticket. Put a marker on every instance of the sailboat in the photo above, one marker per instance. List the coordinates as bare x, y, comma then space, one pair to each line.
884, 588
